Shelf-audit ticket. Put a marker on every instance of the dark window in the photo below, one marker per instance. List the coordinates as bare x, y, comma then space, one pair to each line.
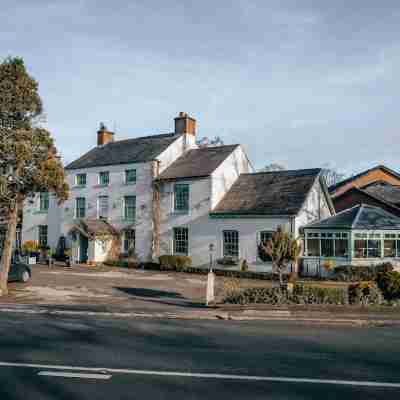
327, 247
44, 201
341, 247
80, 209
181, 241
130, 176
130, 208
231, 244
81, 180
104, 178
103, 207
313, 247
389, 248
129, 240
181, 197
42, 235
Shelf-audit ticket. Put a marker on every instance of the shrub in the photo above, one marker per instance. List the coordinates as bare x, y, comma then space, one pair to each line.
179, 263
350, 273
319, 295
389, 284
365, 293
276, 296
228, 261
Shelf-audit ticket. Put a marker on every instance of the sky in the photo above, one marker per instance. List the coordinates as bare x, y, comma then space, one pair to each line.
300, 83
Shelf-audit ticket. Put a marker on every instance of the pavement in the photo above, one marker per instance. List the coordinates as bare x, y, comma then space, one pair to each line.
124, 293
69, 357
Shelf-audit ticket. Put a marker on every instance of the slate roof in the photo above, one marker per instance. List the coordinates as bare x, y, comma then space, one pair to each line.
127, 151
334, 187
197, 163
268, 193
363, 217
385, 191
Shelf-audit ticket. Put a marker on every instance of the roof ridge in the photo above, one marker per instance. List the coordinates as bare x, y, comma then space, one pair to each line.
282, 171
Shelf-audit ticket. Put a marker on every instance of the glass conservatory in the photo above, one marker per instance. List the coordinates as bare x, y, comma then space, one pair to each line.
361, 235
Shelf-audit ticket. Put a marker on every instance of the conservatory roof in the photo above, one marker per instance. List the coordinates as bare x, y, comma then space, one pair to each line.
360, 217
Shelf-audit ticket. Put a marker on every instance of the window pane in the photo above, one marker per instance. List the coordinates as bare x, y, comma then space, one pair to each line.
103, 207
264, 237
374, 248
80, 207
130, 176
44, 201
341, 247
130, 208
42, 235
389, 248
181, 241
231, 244
360, 248
327, 247
181, 197
104, 178
313, 247
129, 240
81, 179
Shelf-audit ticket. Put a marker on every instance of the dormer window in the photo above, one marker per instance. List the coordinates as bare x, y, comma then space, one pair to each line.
104, 178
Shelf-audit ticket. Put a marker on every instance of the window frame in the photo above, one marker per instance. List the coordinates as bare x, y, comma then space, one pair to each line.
127, 240
127, 171
259, 239
77, 179
180, 210
77, 214
44, 198
126, 217
185, 240
227, 231
40, 235
327, 236
99, 207
103, 174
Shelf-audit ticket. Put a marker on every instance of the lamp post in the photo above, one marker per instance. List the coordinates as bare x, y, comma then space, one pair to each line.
210, 298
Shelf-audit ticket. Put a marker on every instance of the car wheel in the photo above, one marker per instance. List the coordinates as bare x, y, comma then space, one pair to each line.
25, 276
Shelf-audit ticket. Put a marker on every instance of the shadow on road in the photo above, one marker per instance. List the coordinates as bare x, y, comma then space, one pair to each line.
160, 297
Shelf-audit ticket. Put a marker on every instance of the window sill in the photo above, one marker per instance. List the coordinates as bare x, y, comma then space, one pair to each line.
180, 212
101, 186
129, 183
41, 212
76, 187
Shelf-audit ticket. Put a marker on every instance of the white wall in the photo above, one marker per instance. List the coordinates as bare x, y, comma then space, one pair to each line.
227, 173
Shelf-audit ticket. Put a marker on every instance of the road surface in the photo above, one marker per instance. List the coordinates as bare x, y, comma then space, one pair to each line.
58, 357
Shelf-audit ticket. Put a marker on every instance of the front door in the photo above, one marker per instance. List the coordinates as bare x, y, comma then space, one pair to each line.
83, 249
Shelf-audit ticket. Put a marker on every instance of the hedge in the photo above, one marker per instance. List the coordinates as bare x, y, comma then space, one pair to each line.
350, 273
389, 284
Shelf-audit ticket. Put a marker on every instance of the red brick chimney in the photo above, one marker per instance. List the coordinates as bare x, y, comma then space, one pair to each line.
185, 124
104, 136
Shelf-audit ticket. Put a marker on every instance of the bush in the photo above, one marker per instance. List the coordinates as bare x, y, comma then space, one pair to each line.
389, 284
228, 261
276, 296
178, 263
365, 293
350, 273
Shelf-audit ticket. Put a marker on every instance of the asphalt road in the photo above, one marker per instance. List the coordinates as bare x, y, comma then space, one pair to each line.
107, 358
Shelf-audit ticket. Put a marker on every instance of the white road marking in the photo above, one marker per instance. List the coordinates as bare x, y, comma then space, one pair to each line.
74, 375
205, 375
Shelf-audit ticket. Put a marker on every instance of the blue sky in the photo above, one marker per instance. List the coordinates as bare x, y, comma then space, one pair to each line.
301, 83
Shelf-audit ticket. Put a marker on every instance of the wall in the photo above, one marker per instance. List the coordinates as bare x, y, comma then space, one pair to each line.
227, 173
315, 208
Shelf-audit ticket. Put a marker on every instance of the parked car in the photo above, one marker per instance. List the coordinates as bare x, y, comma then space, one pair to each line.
19, 272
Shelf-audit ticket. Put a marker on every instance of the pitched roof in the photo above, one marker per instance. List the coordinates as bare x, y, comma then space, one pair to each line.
127, 151
268, 193
92, 227
198, 163
362, 216
387, 192
334, 187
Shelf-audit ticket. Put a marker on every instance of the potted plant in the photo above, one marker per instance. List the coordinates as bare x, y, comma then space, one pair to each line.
291, 282
31, 249
50, 257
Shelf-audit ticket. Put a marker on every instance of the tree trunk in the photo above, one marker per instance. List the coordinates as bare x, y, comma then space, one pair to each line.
8, 248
